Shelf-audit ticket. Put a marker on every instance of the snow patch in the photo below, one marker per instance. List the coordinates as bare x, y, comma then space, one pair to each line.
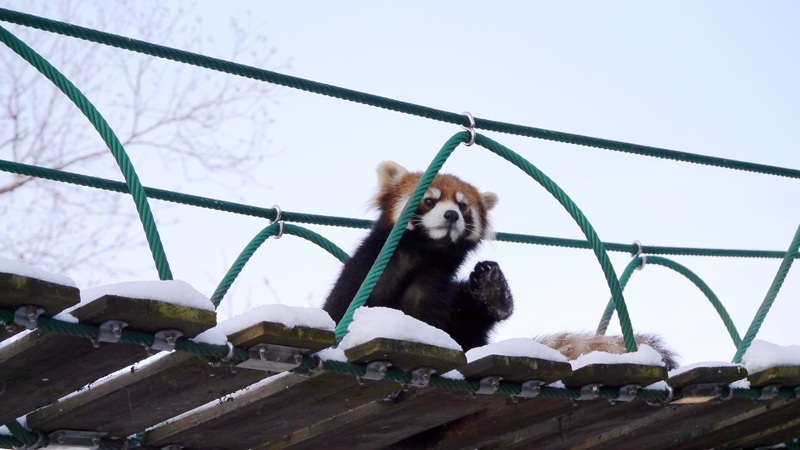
20, 268
379, 322
290, 316
332, 354
516, 347
763, 355
170, 291
646, 356
710, 364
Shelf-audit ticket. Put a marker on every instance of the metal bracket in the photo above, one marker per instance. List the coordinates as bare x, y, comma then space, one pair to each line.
421, 376
26, 316
165, 340
273, 358
75, 438
111, 331
489, 385
627, 393
769, 392
589, 392
530, 389
376, 370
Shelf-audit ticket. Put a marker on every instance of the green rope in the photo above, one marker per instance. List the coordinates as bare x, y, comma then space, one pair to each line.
102, 127
22, 434
583, 223
696, 280
271, 230
393, 239
427, 177
774, 288
374, 100
315, 219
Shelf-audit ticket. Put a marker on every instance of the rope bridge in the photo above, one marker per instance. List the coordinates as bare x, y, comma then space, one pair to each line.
281, 220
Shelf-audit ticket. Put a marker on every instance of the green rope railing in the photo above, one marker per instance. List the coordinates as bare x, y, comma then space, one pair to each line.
105, 131
315, 219
427, 177
273, 229
577, 215
399, 227
774, 288
691, 276
242, 70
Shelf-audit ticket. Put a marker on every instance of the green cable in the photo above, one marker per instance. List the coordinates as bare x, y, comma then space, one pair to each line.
583, 223
691, 276
393, 239
105, 131
427, 177
374, 100
274, 229
774, 288
315, 219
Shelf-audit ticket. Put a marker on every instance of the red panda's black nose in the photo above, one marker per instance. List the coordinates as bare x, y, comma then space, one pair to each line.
451, 216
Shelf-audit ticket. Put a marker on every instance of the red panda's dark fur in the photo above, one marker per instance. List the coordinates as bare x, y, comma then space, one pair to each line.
420, 279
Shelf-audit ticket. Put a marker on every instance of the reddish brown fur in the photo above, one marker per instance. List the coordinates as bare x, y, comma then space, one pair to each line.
575, 344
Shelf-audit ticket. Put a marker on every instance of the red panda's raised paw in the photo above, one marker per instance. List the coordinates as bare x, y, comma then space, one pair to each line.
488, 285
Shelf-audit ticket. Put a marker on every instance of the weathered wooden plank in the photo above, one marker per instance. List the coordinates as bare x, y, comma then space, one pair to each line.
703, 375
18, 290
276, 407
382, 422
516, 369
168, 387
616, 375
406, 355
495, 426
43, 366
783, 375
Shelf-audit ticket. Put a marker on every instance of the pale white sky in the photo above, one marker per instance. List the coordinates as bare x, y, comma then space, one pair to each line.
716, 78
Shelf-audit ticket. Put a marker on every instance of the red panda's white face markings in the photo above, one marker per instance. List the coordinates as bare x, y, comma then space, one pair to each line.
451, 209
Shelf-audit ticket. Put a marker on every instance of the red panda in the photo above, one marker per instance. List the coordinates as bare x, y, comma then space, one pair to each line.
575, 344
420, 279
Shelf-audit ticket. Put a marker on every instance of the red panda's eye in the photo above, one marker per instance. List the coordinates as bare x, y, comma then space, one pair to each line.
462, 206
429, 202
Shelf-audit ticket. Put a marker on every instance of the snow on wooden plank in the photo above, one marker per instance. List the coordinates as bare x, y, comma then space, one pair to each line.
179, 382
41, 367
18, 290
517, 360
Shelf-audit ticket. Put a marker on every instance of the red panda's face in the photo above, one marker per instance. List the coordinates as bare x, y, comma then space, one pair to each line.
450, 210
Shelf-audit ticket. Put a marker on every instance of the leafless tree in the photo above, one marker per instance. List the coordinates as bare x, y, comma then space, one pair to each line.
193, 122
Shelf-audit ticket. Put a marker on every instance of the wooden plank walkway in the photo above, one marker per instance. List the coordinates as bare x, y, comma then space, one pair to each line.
184, 401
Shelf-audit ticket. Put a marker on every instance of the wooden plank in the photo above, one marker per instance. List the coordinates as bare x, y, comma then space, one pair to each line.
406, 355
516, 369
616, 375
168, 387
275, 407
382, 422
711, 375
18, 290
43, 366
783, 375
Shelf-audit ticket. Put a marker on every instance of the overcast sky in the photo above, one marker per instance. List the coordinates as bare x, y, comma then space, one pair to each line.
715, 78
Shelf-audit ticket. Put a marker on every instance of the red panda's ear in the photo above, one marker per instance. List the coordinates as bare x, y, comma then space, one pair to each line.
489, 200
390, 173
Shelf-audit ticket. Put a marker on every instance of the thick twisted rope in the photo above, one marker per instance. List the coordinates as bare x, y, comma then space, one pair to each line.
774, 288
87, 108
374, 100
271, 230
583, 223
316, 219
691, 276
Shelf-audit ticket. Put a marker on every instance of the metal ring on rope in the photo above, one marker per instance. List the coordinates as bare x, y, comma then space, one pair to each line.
471, 129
